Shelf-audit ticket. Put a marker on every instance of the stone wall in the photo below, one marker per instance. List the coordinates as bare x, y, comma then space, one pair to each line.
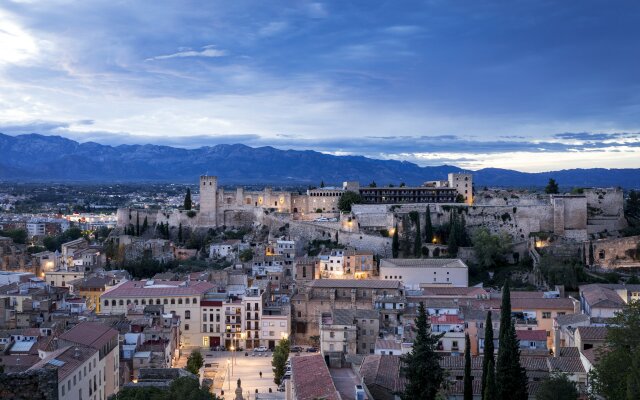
41, 384
615, 253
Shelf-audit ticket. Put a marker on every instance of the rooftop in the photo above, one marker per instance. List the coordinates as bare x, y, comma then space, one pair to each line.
92, 334
423, 263
66, 360
160, 288
355, 284
311, 379
598, 333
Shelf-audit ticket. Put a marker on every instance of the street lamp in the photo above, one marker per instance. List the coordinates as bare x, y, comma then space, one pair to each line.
233, 353
228, 374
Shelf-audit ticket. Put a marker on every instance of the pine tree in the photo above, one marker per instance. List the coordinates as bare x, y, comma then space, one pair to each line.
421, 367
145, 224
552, 187
187, 200
395, 243
468, 384
490, 392
322, 184
180, 233
488, 351
428, 227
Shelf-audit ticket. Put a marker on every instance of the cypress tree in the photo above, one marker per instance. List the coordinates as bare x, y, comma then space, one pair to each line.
421, 367
180, 233
137, 224
490, 391
395, 243
468, 384
591, 259
417, 243
452, 244
187, 200
488, 351
145, 225
428, 227
511, 379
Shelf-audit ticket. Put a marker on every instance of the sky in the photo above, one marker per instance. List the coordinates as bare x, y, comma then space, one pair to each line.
527, 85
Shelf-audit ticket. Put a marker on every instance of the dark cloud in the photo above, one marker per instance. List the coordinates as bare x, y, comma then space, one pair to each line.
586, 136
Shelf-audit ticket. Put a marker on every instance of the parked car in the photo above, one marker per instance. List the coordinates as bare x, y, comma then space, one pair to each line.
311, 350
296, 349
261, 349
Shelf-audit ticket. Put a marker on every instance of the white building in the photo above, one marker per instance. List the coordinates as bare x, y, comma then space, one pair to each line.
36, 229
182, 298
79, 375
425, 272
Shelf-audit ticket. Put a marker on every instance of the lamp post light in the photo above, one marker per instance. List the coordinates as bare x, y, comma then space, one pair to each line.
233, 352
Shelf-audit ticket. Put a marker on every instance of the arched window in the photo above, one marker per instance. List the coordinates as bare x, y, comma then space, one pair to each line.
120, 302
144, 302
135, 302
195, 300
180, 301
113, 303
128, 301
166, 301
173, 301
158, 301
187, 300
187, 314
106, 303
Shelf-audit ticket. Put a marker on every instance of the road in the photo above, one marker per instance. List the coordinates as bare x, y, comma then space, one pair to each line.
345, 380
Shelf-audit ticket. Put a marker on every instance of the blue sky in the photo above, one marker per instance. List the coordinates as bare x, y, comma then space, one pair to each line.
529, 85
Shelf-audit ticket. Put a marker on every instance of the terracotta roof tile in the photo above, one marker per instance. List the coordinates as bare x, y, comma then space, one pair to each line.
92, 334
311, 379
160, 288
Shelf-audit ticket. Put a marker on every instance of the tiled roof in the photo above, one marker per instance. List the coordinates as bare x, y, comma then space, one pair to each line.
445, 319
160, 288
571, 319
311, 379
601, 296
569, 352
541, 303
383, 371
592, 332
355, 283
566, 364
537, 335
93, 334
423, 262
66, 360
385, 344
453, 291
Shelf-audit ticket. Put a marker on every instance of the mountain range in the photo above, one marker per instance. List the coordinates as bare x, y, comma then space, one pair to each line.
39, 158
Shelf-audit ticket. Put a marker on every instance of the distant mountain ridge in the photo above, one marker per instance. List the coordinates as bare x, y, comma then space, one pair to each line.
40, 158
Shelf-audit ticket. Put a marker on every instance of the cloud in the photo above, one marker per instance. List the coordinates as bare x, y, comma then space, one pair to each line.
209, 51
316, 10
403, 29
585, 136
273, 28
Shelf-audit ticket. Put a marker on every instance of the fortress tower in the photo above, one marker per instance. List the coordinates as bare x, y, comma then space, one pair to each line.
463, 183
209, 196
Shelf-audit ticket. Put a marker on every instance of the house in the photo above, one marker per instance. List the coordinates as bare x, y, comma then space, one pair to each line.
425, 272
602, 301
381, 375
310, 380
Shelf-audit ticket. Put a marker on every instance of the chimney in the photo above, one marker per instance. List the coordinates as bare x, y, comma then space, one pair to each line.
76, 353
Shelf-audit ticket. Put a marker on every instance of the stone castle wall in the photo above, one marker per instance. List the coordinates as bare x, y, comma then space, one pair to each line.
615, 253
41, 384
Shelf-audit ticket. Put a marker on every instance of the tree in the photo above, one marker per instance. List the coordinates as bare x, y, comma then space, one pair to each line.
417, 242
279, 361
557, 386
614, 376
137, 224
347, 199
491, 250
428, 227
194, 362
395, 243
452, 243
468, 383
246, 255
145, 224
180, 233
488, 352
183, 388
552, 187
187, 200
421, 366
511, 379
373, 184
321, 184
490, 392
18, 236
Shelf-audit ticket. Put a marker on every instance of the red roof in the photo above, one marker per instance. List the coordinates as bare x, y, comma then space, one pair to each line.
537, 335
446, 319
211, 303
311, 379
159, 288
92, 334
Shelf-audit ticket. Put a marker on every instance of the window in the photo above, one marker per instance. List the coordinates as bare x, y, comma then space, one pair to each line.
331, 335
158, 301
173, 301
144, 302
106, 303
195, 300
186, 327
187, 314
166, 301
187, 300
546, 314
